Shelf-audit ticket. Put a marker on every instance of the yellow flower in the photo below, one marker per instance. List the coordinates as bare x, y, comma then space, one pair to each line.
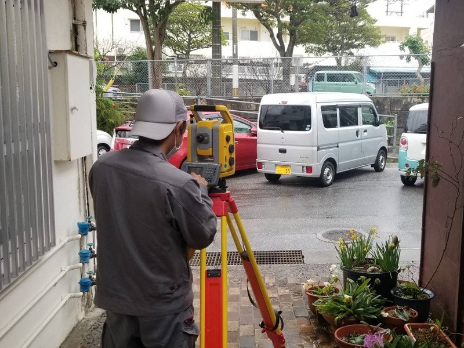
365, 249
392, 245
351, 230
354, 236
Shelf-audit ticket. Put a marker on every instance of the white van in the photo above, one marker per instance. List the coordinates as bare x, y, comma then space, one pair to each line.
413, 142
318, 135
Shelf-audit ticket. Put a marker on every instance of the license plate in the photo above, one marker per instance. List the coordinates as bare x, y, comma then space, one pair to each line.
283, 170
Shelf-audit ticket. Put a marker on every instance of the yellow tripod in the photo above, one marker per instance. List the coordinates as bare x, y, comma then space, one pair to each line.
271, 324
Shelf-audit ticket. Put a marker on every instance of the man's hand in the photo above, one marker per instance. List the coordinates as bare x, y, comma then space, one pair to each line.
201, 180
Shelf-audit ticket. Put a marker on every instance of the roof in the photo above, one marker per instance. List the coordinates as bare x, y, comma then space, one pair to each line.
387, 69
423, 106
337, 71
312, 97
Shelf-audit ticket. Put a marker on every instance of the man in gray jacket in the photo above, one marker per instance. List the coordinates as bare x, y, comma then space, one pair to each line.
149, 214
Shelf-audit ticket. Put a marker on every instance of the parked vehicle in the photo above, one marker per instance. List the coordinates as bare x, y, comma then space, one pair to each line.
318, 135
413, 142
104, 141
245, 141
341, 81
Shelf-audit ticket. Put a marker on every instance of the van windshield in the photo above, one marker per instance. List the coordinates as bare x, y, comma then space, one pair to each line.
417, 122
285, 117
359, 77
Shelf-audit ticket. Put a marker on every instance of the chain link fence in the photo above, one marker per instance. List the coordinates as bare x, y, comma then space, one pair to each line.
387, 75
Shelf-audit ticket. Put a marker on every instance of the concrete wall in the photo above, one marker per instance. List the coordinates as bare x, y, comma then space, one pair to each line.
443, 242
397, 106
70, 207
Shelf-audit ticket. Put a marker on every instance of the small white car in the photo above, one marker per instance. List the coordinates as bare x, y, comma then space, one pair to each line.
413, 142
104, 141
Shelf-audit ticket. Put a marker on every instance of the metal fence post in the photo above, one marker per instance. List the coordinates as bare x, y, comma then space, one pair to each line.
150, 80
297, 76
175, 73
208, 77
271, 72
394, 134
364, 73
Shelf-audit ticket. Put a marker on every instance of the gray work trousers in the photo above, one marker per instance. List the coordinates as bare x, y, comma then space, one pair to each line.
172, 331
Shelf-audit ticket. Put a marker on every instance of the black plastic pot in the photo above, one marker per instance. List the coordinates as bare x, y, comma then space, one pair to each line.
422, 306
387, 280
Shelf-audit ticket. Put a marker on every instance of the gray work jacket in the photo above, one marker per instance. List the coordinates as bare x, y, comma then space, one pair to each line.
147, 213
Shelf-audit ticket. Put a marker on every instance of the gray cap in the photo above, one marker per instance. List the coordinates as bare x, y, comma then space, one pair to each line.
158, 112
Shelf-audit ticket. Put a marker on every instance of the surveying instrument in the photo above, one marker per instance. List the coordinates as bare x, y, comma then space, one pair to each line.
211, 154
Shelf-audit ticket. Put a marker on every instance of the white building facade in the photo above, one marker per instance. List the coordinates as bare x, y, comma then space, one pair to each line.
48, 134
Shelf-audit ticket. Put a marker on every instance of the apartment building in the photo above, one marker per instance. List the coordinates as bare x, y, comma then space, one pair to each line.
396, 19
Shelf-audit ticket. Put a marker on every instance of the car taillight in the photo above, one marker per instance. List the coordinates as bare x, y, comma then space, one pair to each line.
259, 165
309, 170
404, 142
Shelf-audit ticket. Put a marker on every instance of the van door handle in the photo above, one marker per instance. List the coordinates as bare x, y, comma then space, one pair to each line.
282, 150
357, 133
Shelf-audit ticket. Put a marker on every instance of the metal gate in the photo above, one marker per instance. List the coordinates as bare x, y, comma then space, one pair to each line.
26, 196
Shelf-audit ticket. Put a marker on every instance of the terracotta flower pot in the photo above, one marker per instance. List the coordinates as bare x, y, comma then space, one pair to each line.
397, 324
360, 329
411, 328
313, 297
330, 318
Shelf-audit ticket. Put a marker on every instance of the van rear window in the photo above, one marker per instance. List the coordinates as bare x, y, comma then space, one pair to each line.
416, 122
285, 117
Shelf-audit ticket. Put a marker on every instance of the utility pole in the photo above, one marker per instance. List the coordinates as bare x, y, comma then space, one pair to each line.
216, 50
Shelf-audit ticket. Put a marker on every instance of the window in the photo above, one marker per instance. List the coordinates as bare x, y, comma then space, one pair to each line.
390, 38
348, 116
416, 122
329, 116
359, 77
285, 117
333, 77
369, 116
241, 127
27, 222
320, 77
249, 35
135, 25
347, 78
226, 34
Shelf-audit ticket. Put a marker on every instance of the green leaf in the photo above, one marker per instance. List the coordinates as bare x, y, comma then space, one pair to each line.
401, 313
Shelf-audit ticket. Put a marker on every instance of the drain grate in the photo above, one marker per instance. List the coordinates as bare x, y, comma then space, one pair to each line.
276, 257
334, 235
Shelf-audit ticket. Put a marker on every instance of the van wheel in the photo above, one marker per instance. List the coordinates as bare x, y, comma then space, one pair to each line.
327, 174
380, 161
272, 177
408, 180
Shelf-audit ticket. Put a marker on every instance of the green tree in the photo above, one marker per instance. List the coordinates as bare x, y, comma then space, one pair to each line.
153, 15
281, 18
189, 28
420, 51
333, 31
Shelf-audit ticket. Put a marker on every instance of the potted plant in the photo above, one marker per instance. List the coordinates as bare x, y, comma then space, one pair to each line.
413, 296
394, 317
359, 257
361, 335
314, 291
356, 303
428, 335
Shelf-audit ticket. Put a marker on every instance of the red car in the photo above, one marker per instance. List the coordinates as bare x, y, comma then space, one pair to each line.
245, 141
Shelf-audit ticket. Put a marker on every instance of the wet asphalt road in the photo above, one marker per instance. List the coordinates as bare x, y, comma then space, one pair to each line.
294, 213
